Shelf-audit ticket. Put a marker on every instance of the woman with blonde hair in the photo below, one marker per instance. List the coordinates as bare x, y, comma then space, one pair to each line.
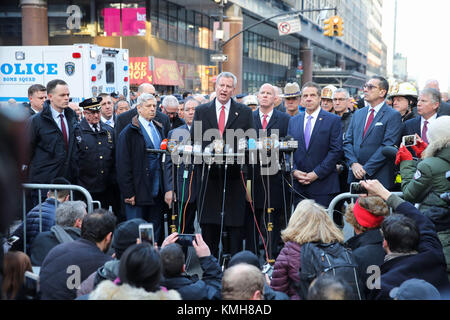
309, 223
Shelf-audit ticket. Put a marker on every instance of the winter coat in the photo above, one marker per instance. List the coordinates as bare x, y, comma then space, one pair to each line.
427, 264
109, 271
425, 181
47, 240
107, 290
286, 270
32, 222
133, 167
57, 269
192, 288
96, 156
367, 250
48, 153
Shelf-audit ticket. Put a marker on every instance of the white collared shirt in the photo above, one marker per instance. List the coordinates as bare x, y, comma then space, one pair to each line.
430, 120
92, 126
111, 121
376, 110
55, 115
146, 124
269, 116
314, 115
219, 108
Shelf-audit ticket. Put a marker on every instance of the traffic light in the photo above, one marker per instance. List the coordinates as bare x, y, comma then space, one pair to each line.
333, 27
337, 26
328, 27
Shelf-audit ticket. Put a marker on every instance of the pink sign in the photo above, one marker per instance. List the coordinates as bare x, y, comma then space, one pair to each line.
133, 21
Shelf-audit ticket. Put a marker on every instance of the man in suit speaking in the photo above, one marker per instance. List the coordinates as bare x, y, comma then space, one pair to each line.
372, 128
222, 114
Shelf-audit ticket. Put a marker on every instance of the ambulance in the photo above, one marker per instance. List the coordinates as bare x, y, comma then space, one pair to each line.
87, 68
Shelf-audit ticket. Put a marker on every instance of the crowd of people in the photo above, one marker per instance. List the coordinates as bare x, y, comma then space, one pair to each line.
114, 148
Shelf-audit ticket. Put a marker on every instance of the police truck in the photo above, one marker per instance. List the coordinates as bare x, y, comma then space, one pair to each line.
88, 70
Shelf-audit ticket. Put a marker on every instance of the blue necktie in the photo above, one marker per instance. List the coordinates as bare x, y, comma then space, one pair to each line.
155, 136
308, 132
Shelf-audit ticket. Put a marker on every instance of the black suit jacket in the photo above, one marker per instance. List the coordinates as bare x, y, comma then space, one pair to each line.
278, 121
240, 117
444, 109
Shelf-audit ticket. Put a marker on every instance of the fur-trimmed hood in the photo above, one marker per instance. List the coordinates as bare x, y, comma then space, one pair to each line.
438, 135
107, 290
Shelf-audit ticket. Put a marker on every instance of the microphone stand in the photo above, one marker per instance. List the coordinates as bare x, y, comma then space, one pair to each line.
222, 214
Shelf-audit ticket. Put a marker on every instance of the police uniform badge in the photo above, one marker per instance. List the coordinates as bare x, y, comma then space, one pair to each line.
109, 137
79, 139
69, 67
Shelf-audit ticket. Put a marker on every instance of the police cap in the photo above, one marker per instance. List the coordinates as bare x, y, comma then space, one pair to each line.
92, 104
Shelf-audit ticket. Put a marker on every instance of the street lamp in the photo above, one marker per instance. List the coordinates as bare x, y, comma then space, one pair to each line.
221, 4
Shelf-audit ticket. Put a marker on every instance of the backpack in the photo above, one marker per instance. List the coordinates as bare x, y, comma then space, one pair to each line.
333, 259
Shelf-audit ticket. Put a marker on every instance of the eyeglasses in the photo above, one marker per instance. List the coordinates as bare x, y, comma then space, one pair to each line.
369, 86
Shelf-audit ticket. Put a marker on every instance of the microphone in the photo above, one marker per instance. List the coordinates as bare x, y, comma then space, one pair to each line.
252, 149
228, 154
218, 146
164, 149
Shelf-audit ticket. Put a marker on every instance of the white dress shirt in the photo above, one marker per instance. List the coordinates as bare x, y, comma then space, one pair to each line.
269, 116
146, 124
55, 115
377, 109
111, 121
219, 108
430, 120
314, 115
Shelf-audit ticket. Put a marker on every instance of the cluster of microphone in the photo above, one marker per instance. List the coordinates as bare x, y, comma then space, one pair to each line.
218, 148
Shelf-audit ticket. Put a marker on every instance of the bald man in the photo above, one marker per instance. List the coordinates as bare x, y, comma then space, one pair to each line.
444, 107
268, 121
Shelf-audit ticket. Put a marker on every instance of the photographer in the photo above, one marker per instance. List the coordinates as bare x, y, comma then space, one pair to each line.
190, 287
412, 247
424, 182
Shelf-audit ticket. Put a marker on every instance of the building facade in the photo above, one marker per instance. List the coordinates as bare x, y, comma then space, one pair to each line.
171, 42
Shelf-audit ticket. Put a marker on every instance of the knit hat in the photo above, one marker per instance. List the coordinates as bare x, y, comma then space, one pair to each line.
415, 289
125, 235
245, 257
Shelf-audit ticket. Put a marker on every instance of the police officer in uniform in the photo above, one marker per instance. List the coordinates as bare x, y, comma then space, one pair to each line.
95, 141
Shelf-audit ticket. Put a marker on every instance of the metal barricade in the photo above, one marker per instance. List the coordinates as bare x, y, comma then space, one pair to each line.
54, 188
347, 229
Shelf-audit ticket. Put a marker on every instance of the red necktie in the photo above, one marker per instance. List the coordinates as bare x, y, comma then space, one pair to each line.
369, 121
222, 120
424, 131
63, 129
264, 123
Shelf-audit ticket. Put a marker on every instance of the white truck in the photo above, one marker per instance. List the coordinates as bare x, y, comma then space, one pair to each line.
87, 68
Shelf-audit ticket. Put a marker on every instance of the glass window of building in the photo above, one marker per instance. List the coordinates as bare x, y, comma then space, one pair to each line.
154, 17
10, 23
197, 26
162, 19
181, 25
173, 32
190, 28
